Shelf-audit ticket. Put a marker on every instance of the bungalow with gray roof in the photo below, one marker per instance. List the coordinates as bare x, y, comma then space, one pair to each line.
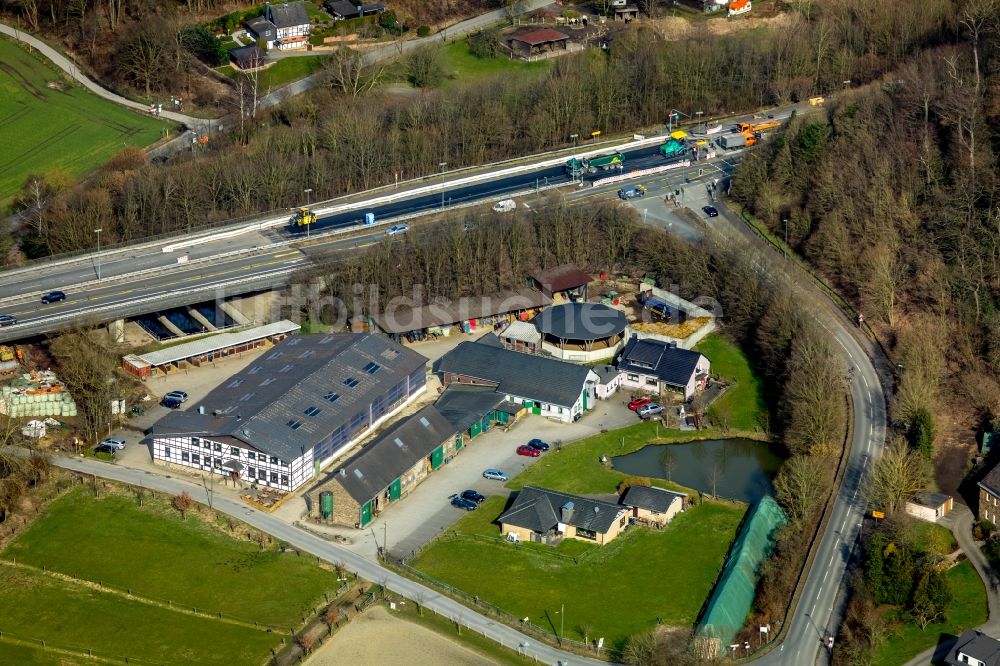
542, 515
306, 401
656, 506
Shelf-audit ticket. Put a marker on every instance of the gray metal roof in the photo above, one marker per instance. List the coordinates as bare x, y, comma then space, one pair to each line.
370, 471
539, 510
673, 366
977, 645
523, 375
299, 392
605, 373
404, 318
465, 404
522, 331
930, 499
214, 343
653, 499
261, 27
289, 14
581, 321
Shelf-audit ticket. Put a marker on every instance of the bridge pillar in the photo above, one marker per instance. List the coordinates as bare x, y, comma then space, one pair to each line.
235, 314
169, 325
116, 329
200, 318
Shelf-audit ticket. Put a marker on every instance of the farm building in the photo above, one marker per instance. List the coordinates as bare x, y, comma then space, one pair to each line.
473, 410
566, 282
304, 403
206, 349
547, 516
608, 381
974, 648
582, 332
536, 42
467, 314
655, 506
654, 366
545, 386
386, 470
343, 9
521, 336
929, 506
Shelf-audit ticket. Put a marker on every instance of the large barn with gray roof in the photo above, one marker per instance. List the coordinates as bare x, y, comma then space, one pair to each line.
307, 401
545, 386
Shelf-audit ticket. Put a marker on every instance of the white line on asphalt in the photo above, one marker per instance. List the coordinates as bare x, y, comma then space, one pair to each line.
818, 594
865, 384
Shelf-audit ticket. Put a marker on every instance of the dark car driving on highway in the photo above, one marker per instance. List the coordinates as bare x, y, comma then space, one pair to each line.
7, 320
53, 297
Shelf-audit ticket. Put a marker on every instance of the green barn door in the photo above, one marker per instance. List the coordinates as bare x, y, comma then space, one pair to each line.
366, 513
437, 457
395, 489
458, 443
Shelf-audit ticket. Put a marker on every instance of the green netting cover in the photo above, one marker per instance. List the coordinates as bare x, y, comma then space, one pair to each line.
730, 602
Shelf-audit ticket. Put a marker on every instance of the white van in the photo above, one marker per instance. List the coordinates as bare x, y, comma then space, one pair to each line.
505, 206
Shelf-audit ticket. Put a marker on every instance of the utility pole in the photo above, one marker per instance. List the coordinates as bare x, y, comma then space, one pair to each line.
442, 165
308, 192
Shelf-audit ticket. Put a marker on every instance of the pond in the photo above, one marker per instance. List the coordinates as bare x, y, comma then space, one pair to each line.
743, 469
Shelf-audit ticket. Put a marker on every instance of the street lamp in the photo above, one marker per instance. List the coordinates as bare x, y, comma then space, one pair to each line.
442, 165
574, 137
785, 220
698, 115
308, 192
847, 83
98, 232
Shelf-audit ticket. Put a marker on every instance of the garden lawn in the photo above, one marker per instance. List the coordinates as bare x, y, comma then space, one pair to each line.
282, 71
615, 590
742, 405
74, 616
154, 553
576, 467
67, 129
967, 610
461, 66
932, 538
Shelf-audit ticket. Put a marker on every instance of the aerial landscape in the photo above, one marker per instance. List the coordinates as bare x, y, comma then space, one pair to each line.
482, 332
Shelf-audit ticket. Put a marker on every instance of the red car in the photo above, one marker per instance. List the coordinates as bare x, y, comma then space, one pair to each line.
525, 450
636, 403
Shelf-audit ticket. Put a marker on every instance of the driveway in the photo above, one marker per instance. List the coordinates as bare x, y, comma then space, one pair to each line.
426, 511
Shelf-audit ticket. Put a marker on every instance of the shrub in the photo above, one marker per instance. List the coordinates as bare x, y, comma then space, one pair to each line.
316, 40
200, 42
423, 31
485, 44
424, 68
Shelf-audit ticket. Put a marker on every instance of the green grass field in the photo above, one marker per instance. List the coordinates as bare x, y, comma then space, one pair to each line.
113, 541
66, 128
742, 405
621, 590
931, 538
967, 610
462, 67
69, 615
24, 655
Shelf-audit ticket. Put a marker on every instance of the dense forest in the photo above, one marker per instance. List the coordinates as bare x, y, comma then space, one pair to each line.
325, 142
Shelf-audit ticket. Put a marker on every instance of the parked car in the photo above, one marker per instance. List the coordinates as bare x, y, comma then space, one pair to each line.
397, 229
171, 403
525, 450
495, 475
650, 410
113, 442
635, 403
7, 320
53, 297
473, 496
538, 445
711, 211
104, 448
180, 396
463, 503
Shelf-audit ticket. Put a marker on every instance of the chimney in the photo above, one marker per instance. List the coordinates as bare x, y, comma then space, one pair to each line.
343, 472
566, 512
201, 409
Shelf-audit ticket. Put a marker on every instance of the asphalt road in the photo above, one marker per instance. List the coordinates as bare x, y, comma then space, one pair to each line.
333, 554
820, 608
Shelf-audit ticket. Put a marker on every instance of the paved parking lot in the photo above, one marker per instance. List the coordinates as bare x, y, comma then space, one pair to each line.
427, 511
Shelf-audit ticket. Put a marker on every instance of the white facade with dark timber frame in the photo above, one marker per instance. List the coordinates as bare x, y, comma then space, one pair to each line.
304, 403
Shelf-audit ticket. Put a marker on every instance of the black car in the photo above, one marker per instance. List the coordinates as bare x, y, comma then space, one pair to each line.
538, 445
53, 297
105, 448
171, 403
462, 503
473, 496
711, 211
7, 320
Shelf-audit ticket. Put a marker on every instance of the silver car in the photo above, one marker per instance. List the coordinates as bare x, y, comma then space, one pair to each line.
113, 442
650, 410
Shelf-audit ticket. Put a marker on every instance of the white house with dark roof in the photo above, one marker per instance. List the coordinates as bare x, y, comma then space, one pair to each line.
291, 24
974, 648
305, 402
543, 386
385, 470
262, 31
654, 366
